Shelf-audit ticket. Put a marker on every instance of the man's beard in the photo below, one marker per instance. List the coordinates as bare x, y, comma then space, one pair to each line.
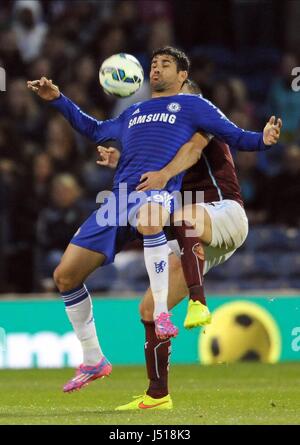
159, 87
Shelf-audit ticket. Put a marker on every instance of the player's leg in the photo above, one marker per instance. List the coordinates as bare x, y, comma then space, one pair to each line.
157, 352
193, 230
177, 290
229, 229
151, 220
76, 265
92, 245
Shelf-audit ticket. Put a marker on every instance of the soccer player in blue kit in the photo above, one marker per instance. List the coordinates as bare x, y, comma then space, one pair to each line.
150, 133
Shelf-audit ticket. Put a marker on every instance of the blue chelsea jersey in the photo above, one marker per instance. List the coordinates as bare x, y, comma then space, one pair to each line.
152, 132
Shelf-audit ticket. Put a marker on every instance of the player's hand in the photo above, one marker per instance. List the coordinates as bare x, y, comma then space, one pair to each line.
153, 181
44, 88
271, 132
109, 157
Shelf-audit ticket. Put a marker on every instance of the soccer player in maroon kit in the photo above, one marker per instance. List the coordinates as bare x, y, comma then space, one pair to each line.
215, 175
225, 229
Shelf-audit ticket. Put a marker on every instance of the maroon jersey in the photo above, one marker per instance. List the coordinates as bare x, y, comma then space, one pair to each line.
214, 174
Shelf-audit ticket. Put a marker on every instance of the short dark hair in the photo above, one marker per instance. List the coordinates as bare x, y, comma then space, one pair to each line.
192, 86
182, 61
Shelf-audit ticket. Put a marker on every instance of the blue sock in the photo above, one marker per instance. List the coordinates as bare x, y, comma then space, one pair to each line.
75, 296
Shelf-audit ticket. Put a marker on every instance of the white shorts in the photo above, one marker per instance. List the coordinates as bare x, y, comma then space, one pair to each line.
229, 230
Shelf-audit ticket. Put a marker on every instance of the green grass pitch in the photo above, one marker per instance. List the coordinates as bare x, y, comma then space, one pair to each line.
222, 394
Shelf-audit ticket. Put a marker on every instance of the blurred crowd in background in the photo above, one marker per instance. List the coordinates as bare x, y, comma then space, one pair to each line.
242, 56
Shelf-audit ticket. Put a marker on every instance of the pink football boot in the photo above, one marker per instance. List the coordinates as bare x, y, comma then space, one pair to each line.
86, 374
164, 328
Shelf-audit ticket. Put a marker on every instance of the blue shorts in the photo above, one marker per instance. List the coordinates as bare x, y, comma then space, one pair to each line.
109, 228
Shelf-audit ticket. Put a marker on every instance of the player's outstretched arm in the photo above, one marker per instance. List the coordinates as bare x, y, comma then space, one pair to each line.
186, 156
97, 131
210, 119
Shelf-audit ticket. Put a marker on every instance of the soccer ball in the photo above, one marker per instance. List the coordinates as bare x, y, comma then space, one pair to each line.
121, 75
240, 331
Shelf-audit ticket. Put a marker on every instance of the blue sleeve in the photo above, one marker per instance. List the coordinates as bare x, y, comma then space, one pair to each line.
209, 118
96, 131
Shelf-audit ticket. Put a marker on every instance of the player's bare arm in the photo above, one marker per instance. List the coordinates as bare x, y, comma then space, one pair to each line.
187, 156
44, 88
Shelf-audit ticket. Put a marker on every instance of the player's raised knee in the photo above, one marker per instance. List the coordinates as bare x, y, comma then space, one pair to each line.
64, 280
151, 219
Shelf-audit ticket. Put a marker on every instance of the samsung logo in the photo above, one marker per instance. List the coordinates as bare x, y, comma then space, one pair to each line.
156, 117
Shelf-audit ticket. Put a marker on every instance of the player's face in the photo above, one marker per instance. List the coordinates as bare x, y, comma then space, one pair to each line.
164, 74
